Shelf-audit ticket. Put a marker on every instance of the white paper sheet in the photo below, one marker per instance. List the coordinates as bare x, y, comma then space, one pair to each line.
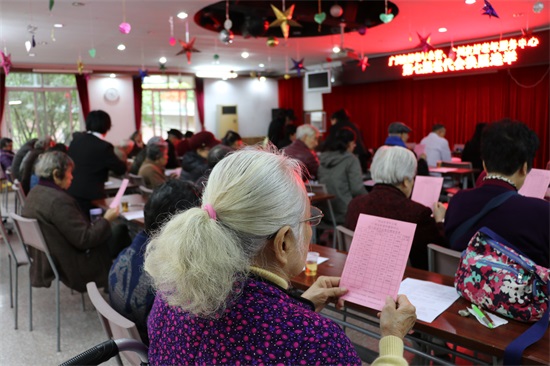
496, 320
132, 215
536, 183
169, 172
426, 190
376, 261
430, 299
119, 194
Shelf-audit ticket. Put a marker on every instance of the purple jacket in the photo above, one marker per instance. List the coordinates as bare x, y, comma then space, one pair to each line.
6, 158
523, 221
264, 326
299, 151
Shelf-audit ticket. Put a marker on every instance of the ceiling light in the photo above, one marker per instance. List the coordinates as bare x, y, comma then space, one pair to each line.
261, 65
58, 25
182, 15
262, 79
470, 2
112, 76
162, 60
336, 49
216, 74
245, 54
442, 30
32, 54
78, 3
14, 102
121, 47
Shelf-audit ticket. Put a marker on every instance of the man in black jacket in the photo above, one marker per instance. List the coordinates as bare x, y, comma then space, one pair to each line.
93, 158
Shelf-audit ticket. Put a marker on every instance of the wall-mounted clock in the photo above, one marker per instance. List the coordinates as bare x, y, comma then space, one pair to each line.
111, 95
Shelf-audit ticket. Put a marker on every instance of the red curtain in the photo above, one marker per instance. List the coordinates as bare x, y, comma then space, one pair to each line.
457, 102
199, 96
2, 96
291, 96
82, 88
136, 86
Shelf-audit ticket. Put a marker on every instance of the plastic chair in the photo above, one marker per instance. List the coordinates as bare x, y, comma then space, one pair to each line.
29, 233
145, 192
345, 236
20, 258
463, 165
115, 325
443, 260
325, 206
136, 179
19, 195
107, 350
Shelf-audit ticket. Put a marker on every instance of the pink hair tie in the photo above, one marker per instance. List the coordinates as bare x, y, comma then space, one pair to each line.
211, 212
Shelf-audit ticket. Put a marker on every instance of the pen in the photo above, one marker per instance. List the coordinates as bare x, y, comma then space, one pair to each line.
482, 316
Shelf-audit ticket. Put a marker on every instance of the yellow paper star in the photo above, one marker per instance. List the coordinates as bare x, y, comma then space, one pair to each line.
284, 20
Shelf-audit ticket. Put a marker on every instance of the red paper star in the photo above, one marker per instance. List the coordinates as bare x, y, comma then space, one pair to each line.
187, 48
363, 63
425, 42
5, 62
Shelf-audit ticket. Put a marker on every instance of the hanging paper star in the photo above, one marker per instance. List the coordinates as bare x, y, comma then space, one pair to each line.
489, 10
143, 73
80, 66
363, 62
5, 62
52, 2
425, 42
298, 66
284, 20
187, 48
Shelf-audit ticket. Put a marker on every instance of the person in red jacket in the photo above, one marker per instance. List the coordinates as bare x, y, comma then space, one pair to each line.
303, 149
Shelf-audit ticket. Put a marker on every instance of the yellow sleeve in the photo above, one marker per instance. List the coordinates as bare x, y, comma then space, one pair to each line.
391, 352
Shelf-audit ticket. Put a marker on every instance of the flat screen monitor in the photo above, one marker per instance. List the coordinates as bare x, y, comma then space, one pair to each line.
318, 81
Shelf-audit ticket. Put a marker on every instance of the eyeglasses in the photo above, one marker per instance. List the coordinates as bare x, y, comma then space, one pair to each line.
316, 216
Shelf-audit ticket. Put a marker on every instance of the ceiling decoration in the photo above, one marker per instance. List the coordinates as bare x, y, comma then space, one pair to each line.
252, 18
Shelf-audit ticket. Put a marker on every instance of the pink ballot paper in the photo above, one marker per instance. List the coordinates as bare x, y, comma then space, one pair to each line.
376, 261
119, 194
419, 149
426, 190
536, 183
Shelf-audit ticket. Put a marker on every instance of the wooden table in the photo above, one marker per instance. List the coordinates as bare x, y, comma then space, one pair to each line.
465, 332
136, 202
461, 173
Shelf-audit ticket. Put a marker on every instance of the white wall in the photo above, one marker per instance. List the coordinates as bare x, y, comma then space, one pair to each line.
121, 111
313, 101
254, 101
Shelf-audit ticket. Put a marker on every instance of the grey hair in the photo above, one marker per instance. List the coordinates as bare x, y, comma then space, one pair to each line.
392, 164
43, 143
306, 130
50, 161
156, 147
198, 263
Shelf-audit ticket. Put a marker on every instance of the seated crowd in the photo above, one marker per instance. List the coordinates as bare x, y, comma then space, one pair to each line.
223, 238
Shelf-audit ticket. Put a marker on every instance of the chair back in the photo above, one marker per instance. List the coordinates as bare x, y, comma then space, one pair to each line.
443, 260
29, 232
136, 180
15, 247
456, 164
316, 188
21, 197
115, 325
345, 236
145, 192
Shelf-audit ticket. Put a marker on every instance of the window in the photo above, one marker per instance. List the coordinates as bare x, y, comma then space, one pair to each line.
38, 105
168, 101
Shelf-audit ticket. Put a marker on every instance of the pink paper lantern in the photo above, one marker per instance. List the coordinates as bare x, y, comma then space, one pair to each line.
172, 41
124, 28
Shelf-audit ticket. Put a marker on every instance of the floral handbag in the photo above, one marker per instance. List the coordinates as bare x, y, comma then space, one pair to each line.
495, 276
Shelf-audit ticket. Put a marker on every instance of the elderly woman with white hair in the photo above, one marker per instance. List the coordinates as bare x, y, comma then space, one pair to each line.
393, 170
222, 275
156, 157
82, 251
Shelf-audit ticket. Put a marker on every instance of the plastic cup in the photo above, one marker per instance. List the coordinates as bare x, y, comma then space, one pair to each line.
124, 205
95, 214
311, 263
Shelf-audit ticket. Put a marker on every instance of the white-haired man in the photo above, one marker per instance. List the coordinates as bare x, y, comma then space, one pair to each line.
307, 139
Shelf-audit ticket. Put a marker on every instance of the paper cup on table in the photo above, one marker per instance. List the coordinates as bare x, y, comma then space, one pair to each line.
95, 214
311, 263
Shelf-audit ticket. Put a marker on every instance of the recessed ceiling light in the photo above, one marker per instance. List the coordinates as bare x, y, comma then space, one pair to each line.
78, 3
470, 2
336, 49
58, 25
517, 15
121, 47
245, 54
182, 15
262, 79
112, 76
442, 30
261, 65
162, 60
32, 54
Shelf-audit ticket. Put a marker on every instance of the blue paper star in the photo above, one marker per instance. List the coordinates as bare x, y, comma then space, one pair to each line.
143, 73
489, 10
298, 66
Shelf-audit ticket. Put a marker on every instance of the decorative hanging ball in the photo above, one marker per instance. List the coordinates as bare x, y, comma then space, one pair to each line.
216, 57
286, 76
336, 11
272, 41
172, 41
329, 59
226, 36
228, 24
124, 28
362, 30
537, 8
